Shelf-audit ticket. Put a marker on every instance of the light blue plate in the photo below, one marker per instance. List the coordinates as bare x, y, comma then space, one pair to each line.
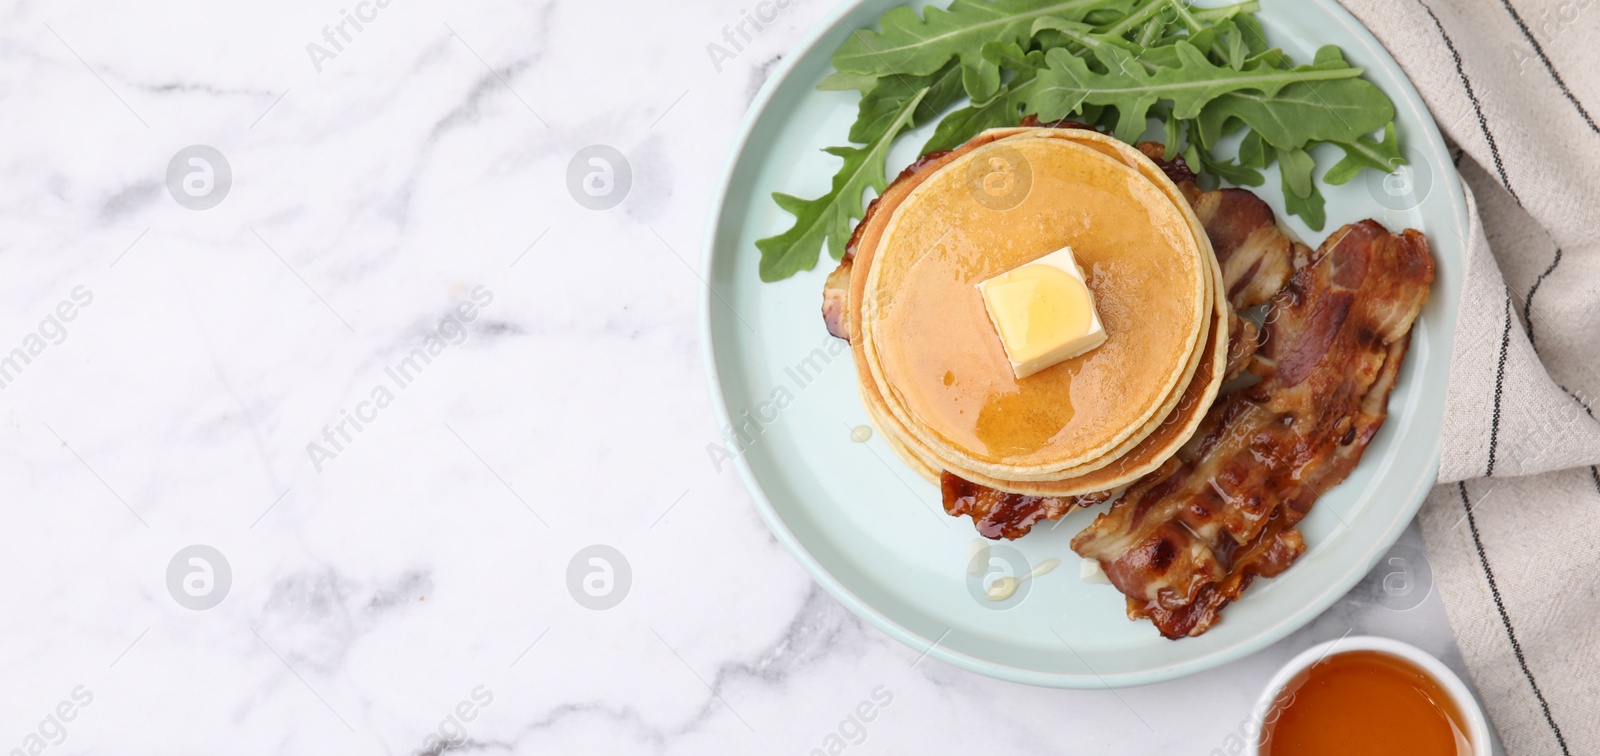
872, 532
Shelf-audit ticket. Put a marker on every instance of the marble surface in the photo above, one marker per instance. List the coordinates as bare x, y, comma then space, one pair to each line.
229, 358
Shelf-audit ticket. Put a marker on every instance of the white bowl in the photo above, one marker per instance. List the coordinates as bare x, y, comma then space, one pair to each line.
1476, 724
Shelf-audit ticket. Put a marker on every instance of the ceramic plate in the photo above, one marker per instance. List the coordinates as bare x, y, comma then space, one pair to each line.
873, 533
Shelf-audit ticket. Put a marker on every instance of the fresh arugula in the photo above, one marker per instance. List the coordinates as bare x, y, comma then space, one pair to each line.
908, 44
1300, 195
829, 216
881, 105
1366, 152
999, 110
1203, 74
1068, 83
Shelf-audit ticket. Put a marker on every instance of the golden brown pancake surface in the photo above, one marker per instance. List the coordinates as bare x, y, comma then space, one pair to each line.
931, 343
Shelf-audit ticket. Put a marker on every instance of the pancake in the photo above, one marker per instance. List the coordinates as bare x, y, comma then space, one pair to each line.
1172, 432
1166, 434
1148, 445
933, 354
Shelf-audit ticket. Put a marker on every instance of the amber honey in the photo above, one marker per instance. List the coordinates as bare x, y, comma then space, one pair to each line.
1364, 702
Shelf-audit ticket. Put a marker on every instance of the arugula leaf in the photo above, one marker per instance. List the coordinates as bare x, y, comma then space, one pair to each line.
1296, 166
1000, 110
981, 82
1205, 73
1226, 12
1307, 110
1067, 83
908, 44
1138, 17
1153, 32
968, 122
882, 104
1011, 55
1079, 36
1366, 152
839, 81
829, 216
1300, 195
1188, 20
1225, 43
1254, 152
1192, 153
1255, 38
1170, 147
1233, 172
1102, 17
1330, 111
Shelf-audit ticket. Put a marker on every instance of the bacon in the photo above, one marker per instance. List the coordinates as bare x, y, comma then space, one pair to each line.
1187, 540
1244, 337
836, 299
997, 514
1176, 169
1256, 256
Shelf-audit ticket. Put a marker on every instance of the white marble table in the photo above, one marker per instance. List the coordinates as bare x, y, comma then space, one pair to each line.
230, 361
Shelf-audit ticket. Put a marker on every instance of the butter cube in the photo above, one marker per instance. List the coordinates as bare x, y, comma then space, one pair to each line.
1043, 312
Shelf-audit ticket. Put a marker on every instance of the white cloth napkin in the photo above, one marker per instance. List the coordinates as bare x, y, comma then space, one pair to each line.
1513, 529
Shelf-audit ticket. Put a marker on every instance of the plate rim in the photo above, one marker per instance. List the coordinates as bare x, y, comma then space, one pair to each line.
1409, 503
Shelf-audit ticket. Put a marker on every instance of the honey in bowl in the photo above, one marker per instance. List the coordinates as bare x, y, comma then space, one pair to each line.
1365, 702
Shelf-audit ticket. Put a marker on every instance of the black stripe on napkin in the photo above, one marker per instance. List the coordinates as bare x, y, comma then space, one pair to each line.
1477, 107
1538, 49
1499, 387
1505, 619
1594, 471
1579, 400
1527, 302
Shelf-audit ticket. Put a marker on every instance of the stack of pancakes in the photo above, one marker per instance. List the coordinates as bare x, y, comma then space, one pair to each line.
934, 375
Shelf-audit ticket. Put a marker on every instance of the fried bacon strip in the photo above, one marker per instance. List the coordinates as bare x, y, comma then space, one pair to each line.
836, 298
998, 514
1187, 540
1244, 337
1176, 169
1257, 258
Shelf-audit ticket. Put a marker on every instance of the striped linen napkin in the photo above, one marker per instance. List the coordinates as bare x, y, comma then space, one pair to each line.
1513, 528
